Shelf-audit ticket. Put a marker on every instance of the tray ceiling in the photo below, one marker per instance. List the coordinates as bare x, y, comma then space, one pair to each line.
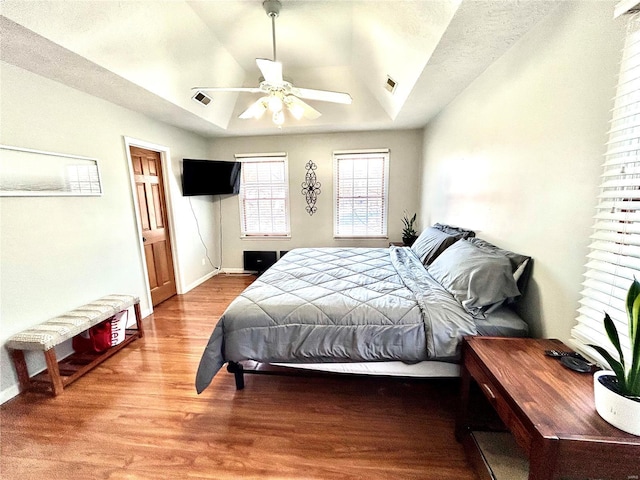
146, 56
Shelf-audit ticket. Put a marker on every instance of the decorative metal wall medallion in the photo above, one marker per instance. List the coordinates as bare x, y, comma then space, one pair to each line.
311, 187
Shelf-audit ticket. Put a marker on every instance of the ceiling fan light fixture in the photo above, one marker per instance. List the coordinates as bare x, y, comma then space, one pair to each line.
278, 117
275, 102
259, 111
255, 110
296, 110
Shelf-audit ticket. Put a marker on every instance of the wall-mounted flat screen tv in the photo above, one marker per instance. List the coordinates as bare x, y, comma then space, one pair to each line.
210, 177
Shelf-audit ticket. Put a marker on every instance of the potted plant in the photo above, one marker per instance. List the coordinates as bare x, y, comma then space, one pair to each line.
617, 392
409, 234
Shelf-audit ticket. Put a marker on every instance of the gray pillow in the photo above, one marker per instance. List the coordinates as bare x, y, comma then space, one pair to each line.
431, 243
478, 279
518, 262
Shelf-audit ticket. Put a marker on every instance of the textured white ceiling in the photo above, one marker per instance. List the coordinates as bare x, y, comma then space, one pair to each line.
147, 55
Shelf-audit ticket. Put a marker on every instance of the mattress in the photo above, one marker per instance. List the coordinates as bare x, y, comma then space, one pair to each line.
424, 369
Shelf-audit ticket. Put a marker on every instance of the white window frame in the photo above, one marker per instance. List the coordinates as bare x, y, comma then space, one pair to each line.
614, 257
264, 157
340, 155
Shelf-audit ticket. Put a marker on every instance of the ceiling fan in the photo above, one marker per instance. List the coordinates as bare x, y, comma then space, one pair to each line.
280, 93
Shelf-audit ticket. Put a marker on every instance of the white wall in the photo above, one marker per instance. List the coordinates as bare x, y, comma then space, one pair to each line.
61, 252
317, 230
517, 156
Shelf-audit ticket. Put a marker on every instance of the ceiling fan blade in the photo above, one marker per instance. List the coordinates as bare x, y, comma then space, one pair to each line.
322, 95
271, 71
228, 89
256, 109
300, 109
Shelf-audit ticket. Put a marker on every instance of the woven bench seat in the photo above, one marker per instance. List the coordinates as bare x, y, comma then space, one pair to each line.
56, 330
50, 333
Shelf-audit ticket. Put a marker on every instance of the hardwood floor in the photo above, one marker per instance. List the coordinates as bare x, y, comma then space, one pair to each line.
137, 416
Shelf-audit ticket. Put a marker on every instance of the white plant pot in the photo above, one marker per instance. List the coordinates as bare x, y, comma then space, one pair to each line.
619, 411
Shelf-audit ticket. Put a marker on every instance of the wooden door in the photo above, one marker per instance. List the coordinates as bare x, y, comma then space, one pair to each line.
147, 172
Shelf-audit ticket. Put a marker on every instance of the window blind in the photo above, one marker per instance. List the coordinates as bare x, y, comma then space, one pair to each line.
614, 257
264, 195
626, 6
361, 193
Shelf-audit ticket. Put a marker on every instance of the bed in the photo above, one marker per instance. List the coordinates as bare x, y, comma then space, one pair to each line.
373, 309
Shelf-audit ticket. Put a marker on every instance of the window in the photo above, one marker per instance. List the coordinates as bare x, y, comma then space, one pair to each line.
264, 195
360, 193
614, 257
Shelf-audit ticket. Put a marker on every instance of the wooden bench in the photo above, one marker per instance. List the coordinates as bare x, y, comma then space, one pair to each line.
47, 335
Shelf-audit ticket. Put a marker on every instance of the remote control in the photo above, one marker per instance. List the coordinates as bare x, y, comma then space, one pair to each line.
558, 353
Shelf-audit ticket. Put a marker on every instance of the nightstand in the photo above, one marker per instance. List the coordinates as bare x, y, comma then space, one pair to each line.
396, 244
548, 409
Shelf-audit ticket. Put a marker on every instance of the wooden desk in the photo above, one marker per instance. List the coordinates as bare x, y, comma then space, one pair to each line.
548, 408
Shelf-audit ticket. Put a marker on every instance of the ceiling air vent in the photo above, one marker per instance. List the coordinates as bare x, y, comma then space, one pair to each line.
390, 84
202, 98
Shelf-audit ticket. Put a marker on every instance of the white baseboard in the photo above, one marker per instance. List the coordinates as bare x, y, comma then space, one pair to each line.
14, 390
203, 279
234, 271
8, 393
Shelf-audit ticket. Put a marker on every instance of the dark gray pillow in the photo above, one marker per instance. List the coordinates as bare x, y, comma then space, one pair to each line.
478, 279
457, 231
431, 243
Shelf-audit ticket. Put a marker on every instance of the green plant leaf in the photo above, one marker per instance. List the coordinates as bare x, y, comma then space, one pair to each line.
633, 377
408, 230
634, 370
633, 292
612, 333
615, 365
633, 383
633, 299
633, 306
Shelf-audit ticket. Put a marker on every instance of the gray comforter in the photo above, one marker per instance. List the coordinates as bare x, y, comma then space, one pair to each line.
339, 305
